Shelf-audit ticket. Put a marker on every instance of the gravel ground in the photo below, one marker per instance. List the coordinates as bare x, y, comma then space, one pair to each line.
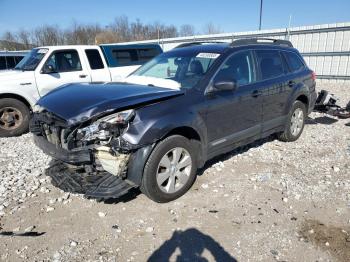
265, 202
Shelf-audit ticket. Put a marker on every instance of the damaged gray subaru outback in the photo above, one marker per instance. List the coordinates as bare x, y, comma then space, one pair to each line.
155, 129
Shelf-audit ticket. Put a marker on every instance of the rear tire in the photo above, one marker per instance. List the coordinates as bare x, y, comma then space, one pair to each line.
14, 117
170, 170
295, 123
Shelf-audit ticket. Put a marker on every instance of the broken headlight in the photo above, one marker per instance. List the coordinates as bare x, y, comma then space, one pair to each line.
105, 127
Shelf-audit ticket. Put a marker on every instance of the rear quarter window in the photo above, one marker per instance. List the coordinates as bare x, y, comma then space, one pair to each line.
294, 61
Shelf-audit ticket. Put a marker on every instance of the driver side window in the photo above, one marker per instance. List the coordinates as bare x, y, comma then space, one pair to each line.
64, 61
239, 68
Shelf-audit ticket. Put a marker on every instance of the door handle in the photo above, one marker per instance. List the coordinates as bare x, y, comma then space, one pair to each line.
291, 83
82, 76
256, 93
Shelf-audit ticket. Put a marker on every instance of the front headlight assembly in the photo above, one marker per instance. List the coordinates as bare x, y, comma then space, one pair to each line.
105, 127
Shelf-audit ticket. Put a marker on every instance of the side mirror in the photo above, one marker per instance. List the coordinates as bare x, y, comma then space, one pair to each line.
48, 69
225, 85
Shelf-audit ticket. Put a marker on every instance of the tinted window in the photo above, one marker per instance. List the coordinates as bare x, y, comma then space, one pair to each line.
18, 59
2, 63
270, 63
11, 63
125, 57
94, 58
294, 61
239, 68
65, 61
147, 54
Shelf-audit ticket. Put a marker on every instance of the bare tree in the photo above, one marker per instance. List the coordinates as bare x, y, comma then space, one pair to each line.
48, 35
120, 30
187, 30
210, 29
24, 38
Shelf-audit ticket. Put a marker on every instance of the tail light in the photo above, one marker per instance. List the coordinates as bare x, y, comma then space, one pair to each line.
313, 75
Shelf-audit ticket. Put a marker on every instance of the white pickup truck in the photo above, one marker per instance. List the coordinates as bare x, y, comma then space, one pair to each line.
48, 67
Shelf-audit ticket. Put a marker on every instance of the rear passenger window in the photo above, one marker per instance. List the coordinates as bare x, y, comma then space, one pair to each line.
2, 63
270, 63
294, 61
94, 58
239, 67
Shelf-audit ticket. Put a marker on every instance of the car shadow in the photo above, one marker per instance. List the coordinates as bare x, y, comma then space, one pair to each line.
190, 245
324, 120
234, 152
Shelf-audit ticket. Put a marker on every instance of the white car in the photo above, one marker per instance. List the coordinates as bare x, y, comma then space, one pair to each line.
49, 67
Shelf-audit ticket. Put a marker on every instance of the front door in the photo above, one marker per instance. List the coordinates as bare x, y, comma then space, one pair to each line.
65, 67
234, 115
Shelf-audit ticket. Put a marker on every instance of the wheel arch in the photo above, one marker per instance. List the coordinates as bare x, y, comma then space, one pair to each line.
18, 97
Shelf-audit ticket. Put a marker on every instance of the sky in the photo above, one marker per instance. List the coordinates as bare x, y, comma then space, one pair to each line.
229, 15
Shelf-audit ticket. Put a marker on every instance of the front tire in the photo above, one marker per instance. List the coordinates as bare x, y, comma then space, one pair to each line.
295, 123
170, 170
14, 117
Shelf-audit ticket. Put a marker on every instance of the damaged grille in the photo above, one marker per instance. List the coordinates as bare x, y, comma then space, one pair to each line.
51, 127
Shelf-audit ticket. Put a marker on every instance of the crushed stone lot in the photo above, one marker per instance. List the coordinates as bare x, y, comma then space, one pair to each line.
270, 201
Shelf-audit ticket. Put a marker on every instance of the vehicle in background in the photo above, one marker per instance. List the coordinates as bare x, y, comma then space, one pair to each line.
173, 114
9, 59
49, 67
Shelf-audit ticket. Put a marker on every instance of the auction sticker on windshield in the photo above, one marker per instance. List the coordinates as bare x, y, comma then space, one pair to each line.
208, 55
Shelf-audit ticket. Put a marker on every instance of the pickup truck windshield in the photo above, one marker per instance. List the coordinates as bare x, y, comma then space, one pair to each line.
31, 60
185, 67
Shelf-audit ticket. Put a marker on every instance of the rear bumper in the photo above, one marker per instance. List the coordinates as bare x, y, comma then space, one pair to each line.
78, 157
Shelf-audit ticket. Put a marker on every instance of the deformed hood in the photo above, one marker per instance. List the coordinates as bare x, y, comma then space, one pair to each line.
79, 102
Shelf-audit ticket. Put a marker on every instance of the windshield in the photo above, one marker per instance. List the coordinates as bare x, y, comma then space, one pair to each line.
31, 60
185, 68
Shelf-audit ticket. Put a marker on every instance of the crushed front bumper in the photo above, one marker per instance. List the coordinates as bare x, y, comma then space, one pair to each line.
78, 157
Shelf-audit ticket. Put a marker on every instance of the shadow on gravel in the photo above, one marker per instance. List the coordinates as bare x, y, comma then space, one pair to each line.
237, 151
190, 245
26, 234
324, 120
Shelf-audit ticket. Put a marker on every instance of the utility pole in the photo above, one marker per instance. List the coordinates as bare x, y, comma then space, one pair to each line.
261, 5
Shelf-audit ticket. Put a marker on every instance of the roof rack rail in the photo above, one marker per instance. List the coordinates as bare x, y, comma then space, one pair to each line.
198, 43
261, 41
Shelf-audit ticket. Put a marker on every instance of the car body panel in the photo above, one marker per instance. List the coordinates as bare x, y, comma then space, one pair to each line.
95, 99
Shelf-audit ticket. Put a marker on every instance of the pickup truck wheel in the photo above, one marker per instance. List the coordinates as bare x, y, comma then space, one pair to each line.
295, 123
170, 170
14, 117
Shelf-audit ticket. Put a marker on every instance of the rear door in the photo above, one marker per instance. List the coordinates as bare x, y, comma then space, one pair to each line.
234, 115
68, 68
274, 81
98, 68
